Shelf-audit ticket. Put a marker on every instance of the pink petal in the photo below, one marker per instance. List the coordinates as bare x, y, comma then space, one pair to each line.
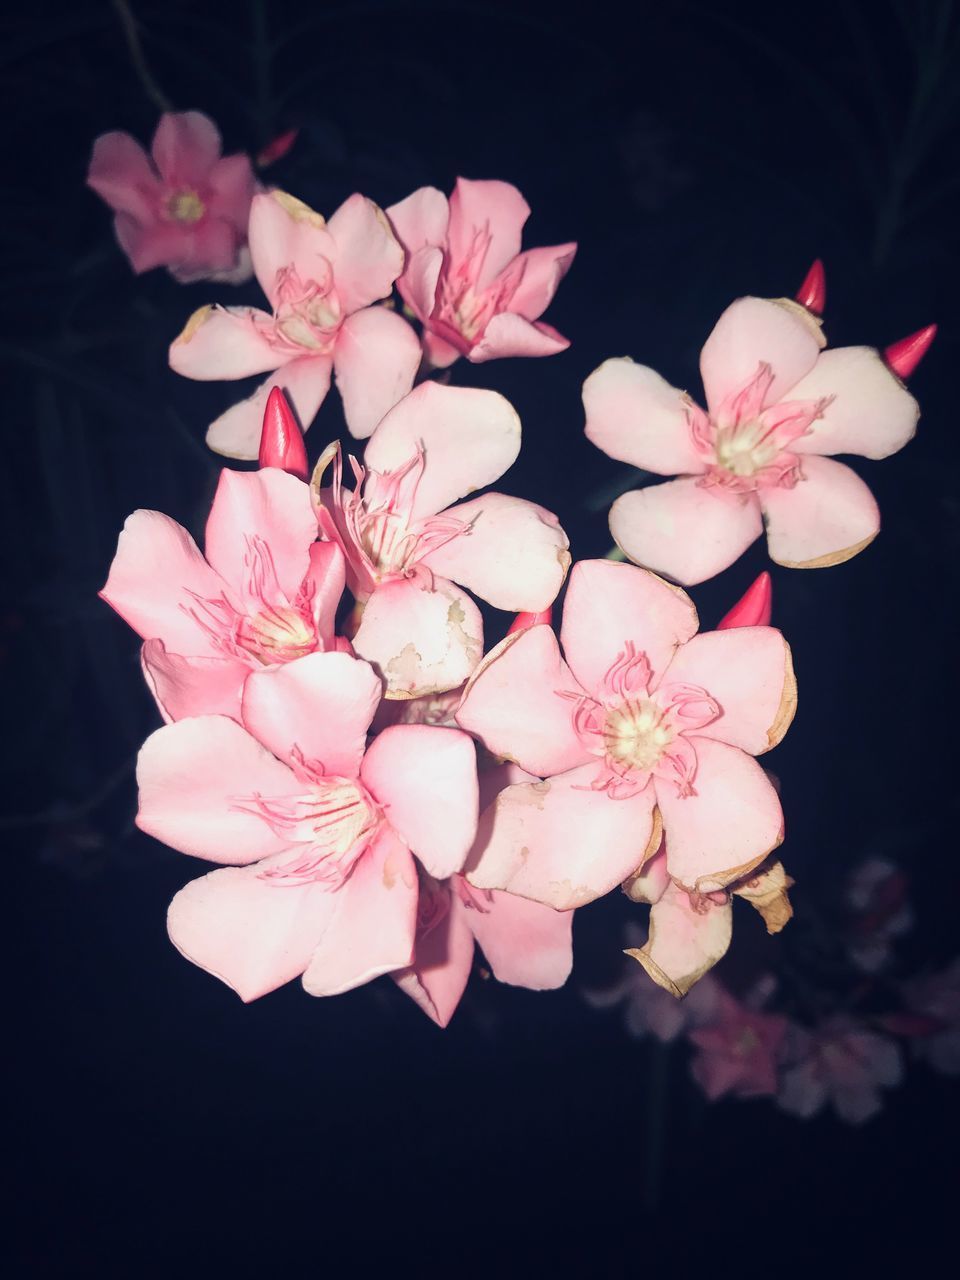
525, 943
828, 517
685, 941
223, 343
437, 353
443, 958
418, 284
372, 930
494, 208
284, 232
421, 641
154, 244
469, 438
650, 882
728, 826
185, 148
425, 777
609, 604
233, 185
749, 672
305, 382
754, 331
368, 256
197, 778
515, 556
559, 842
121, 174
321, 704
543, 269
269, 505
325, 579
375, 362
192, 686
684, 530
513, 704
635, 416
251, 933
156, 572
507, 334
421, 219
872, 413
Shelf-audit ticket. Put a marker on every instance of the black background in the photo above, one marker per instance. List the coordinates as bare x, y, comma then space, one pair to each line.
696, 152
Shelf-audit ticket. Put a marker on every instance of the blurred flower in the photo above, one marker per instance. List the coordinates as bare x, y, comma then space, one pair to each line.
776, 406
184, 207
933, 1021
318, 830
737, 1053
266, 593
407, 548
839, 1064
876, 894
465, 278
649, 725
320, 279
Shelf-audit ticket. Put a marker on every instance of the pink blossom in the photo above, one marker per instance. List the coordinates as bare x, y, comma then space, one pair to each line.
407, 548
320, 279
266, 593
465, 278
933, 1020
644, 725
841, 1065
877, 896
738, 1053
184, 207
317, 829
777, 407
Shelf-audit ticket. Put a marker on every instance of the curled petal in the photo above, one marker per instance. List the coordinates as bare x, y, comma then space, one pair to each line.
689, 933
766, 891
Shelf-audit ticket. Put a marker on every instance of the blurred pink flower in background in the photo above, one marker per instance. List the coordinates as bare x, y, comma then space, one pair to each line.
321, 279
738, 1052
465, 278
839, 1064
877, 897
185, 206
932, 1022
778, 406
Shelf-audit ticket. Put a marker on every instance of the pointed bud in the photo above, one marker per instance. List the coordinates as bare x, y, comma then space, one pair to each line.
277, 149
281, 441
904, 356
524, 620
812, 294
754, 609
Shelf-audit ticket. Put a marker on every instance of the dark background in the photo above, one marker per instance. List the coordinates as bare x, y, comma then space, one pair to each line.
697, 152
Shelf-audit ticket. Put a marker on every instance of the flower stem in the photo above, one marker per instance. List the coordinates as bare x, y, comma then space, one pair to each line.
132, 36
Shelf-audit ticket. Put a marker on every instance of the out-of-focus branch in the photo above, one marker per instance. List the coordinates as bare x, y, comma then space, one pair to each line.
132, 36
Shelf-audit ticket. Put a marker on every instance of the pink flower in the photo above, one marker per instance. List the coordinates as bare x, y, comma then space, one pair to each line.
877, 896
186, 208
839, 1065
465, 278
266, 594
317, 829
320, 279
933, 1021
777, 406
738, 1053
648, 725
406, 547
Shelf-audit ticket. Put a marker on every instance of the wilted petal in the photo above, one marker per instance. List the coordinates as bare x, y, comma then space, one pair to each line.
755, 331
688, 935
826, 518
559, 842
375, 362
372, 929
514, 556
749, 672
425, 777
685, 530
870, 411
420, 640
766, 891
608, 604
514, 704
305, 382
469, 438
651, 881
321, 704
634, 415
730, 823
197, 778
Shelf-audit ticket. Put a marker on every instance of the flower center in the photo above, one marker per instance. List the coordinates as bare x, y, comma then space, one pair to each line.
307, 312
278, 634
742, 451
332, 823
185, 206
636, 734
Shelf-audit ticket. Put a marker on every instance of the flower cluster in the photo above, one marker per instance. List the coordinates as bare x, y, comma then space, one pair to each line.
382, 790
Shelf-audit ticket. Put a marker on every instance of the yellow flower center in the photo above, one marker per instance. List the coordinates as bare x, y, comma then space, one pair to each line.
186, 206
635, 734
